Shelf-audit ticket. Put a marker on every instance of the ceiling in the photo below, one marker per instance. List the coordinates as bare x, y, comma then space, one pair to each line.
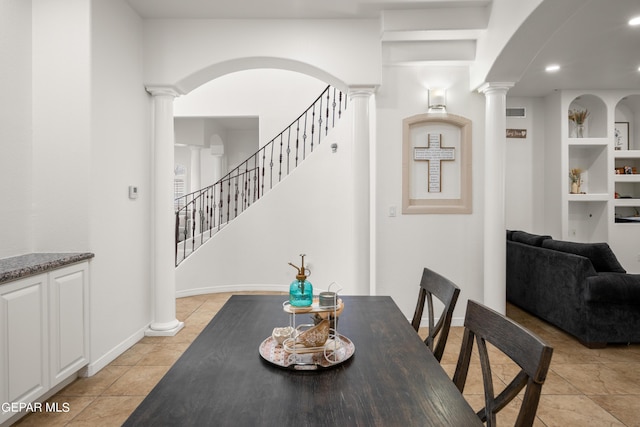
284, 9
589, 39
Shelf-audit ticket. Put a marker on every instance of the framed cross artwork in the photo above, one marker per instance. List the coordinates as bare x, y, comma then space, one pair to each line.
436, 164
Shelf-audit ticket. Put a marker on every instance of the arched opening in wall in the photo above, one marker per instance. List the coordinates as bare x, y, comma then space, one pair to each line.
236, 114
241, 127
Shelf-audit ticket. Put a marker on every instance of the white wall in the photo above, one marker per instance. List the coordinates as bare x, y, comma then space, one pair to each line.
405, 244
250, 253
61, 125
305, 213
525, 168
15, 128
240, 145
120, 156
74, 135
277, 97
181, 52
189, 131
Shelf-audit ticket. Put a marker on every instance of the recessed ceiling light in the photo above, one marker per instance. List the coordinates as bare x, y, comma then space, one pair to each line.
551, 68
635, 21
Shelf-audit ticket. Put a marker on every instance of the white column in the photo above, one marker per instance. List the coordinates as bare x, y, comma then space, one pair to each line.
361, 147
217, 167
163, 227
194, 169
494, 194
217, 151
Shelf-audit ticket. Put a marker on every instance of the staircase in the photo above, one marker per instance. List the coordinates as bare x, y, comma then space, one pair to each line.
201, 214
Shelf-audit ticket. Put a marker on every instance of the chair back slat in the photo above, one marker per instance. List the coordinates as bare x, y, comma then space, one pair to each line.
525, 348
530, 353
432, 285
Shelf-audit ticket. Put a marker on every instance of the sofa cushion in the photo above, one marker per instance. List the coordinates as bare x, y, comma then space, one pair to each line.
617, 288
528, 238
600, 254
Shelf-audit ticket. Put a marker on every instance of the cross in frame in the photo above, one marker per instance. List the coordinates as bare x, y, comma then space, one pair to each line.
434, 153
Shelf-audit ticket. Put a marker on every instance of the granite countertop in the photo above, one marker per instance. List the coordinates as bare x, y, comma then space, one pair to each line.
22, 266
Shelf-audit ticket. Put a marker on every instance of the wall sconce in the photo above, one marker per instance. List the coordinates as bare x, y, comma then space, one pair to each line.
438, 99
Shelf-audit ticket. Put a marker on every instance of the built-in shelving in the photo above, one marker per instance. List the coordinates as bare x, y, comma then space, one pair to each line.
609, 199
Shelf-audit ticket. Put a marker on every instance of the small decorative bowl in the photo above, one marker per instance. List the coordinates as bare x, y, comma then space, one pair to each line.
281, 334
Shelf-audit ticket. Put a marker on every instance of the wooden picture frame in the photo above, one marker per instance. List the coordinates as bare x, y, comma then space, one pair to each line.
455, 131
621, 136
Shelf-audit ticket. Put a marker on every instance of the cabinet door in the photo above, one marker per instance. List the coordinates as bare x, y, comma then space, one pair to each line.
23, 341
68, 321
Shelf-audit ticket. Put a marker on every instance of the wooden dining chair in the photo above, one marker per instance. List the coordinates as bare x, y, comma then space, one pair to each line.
532, 355
432, 284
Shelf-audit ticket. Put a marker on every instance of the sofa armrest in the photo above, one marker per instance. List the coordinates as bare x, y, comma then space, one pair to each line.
619, 288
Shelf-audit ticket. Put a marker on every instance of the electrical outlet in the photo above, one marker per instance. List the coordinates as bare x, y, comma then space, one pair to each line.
572, 232
392, 211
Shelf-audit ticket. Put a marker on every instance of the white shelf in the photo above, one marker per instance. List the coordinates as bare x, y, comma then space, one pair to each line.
627, 202
626, 154
626, 178
588, 142
589, 197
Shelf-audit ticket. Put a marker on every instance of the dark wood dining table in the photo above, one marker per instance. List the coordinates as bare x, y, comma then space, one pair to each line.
392, 379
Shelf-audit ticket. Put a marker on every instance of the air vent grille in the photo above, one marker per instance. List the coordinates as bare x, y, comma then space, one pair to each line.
517, 112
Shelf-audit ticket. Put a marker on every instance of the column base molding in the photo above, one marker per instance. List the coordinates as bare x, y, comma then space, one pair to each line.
155, 332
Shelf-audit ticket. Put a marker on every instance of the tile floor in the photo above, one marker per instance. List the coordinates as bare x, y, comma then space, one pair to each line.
584, 387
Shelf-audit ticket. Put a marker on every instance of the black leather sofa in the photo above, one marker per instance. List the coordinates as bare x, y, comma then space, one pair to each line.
579, 287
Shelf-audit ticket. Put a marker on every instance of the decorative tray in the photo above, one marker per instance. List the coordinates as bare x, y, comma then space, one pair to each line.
334, 352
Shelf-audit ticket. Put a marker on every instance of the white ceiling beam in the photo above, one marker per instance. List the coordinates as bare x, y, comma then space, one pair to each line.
431, 35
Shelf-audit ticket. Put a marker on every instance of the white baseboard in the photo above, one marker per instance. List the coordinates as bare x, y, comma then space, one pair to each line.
95, 366
231, 288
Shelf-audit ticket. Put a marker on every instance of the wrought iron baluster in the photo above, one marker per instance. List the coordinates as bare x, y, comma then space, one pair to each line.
271, 169
244, 191
304, 136
333, 109
256, 169
320, 121
235, 196
177, 235
280, 167
193, 224
221, 202
228, 197
288, 148
313, 124
326, 121
211, 208
297, 139
264, 162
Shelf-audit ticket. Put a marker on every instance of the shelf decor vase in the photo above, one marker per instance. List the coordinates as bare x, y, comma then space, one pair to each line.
300, 290
575, 188
578, 117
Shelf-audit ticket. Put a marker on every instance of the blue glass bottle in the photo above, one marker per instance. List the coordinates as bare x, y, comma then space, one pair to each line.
300, 290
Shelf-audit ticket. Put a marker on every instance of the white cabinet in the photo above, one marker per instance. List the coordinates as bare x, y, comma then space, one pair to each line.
23, 341
68, 321
43, 332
